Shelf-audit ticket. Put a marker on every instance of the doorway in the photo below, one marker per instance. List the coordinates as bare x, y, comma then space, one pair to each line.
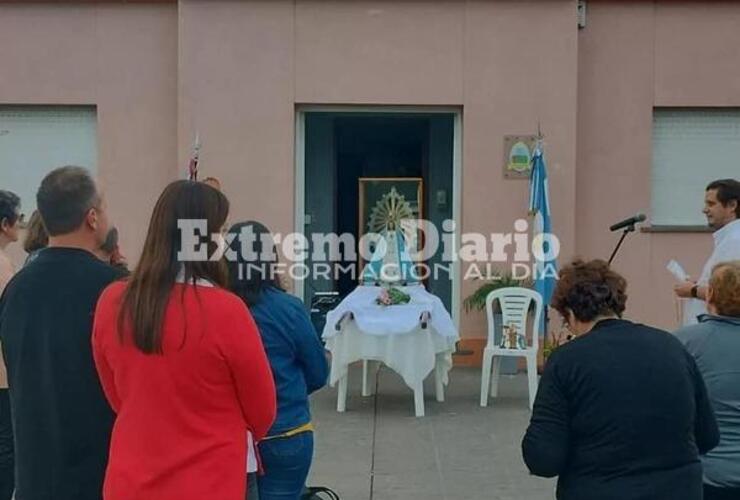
336, 147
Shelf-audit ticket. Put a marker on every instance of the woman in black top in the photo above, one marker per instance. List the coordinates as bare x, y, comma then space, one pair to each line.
622, 411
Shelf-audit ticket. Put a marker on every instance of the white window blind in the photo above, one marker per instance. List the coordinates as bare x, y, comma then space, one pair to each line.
691, 148
37, 139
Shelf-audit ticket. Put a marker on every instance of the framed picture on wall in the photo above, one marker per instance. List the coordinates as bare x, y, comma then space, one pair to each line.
383, 201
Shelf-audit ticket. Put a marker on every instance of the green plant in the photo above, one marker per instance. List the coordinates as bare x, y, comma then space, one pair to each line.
477, 300
555, 340
549, 345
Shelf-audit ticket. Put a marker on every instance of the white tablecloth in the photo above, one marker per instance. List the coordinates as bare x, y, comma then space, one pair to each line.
374, 319
392, 335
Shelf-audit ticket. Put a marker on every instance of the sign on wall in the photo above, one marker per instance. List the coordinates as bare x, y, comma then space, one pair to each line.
518, 151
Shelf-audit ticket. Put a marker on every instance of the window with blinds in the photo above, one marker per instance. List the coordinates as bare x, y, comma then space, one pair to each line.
36, 139
691, 148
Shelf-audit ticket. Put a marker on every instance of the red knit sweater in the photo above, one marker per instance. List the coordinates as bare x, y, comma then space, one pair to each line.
182, 417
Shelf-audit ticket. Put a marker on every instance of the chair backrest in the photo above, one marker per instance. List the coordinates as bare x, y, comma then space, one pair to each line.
515, 303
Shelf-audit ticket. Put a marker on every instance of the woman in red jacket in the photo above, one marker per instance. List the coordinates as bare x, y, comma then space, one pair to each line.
181, 363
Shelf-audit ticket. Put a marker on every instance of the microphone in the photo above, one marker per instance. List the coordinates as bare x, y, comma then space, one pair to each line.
628, 222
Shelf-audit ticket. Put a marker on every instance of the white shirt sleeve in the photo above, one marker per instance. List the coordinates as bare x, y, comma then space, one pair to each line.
251, 455
727, 250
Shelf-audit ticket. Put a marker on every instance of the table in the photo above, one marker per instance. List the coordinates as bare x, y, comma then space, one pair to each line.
412, 339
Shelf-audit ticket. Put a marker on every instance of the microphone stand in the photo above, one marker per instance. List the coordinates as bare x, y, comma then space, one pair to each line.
627, 230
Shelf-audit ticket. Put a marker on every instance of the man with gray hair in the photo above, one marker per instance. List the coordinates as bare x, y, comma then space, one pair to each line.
61, 419
715, 344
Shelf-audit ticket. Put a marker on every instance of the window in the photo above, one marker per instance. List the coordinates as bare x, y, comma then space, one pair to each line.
691, 148
37, 139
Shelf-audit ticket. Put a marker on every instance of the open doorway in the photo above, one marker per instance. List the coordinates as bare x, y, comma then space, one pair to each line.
338, 148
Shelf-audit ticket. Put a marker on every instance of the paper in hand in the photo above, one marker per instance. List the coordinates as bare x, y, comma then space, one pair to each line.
677, 271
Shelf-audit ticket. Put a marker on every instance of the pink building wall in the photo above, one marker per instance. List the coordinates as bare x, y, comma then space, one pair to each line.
634, 56
243, 67
234, 72
120, 57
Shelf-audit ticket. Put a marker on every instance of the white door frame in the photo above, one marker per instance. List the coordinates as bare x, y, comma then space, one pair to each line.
300, 177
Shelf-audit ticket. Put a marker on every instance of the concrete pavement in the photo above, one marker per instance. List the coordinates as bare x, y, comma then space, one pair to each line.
378, 450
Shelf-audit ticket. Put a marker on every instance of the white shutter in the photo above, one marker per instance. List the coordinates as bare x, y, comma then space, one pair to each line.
37, 139
691, 148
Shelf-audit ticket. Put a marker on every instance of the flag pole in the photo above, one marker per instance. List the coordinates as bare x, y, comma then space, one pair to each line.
546, 307
194, 159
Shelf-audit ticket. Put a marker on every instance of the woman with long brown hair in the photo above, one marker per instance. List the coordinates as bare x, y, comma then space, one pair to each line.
181, 362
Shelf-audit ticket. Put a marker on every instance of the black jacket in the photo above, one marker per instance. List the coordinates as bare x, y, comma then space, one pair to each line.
61, 419
621, 413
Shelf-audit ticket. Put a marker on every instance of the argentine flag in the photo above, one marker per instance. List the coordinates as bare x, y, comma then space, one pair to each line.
545, 271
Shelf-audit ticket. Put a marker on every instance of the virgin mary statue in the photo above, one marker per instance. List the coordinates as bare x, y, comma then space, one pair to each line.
394, 226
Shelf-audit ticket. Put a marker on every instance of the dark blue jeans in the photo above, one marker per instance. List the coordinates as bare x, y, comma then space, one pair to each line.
286, 462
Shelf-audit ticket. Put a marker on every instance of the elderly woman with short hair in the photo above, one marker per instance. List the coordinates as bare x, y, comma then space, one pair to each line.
715, 344
622, 411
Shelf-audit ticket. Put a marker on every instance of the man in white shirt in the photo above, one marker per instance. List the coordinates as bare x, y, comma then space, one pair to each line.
722, 209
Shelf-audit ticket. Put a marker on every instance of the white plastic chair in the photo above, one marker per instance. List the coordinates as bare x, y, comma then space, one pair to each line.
515, 304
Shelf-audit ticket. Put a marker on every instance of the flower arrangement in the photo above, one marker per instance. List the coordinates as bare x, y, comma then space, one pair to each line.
392, 296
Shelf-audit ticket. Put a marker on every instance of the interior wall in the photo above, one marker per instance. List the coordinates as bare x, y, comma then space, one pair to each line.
439, 182
321, 187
